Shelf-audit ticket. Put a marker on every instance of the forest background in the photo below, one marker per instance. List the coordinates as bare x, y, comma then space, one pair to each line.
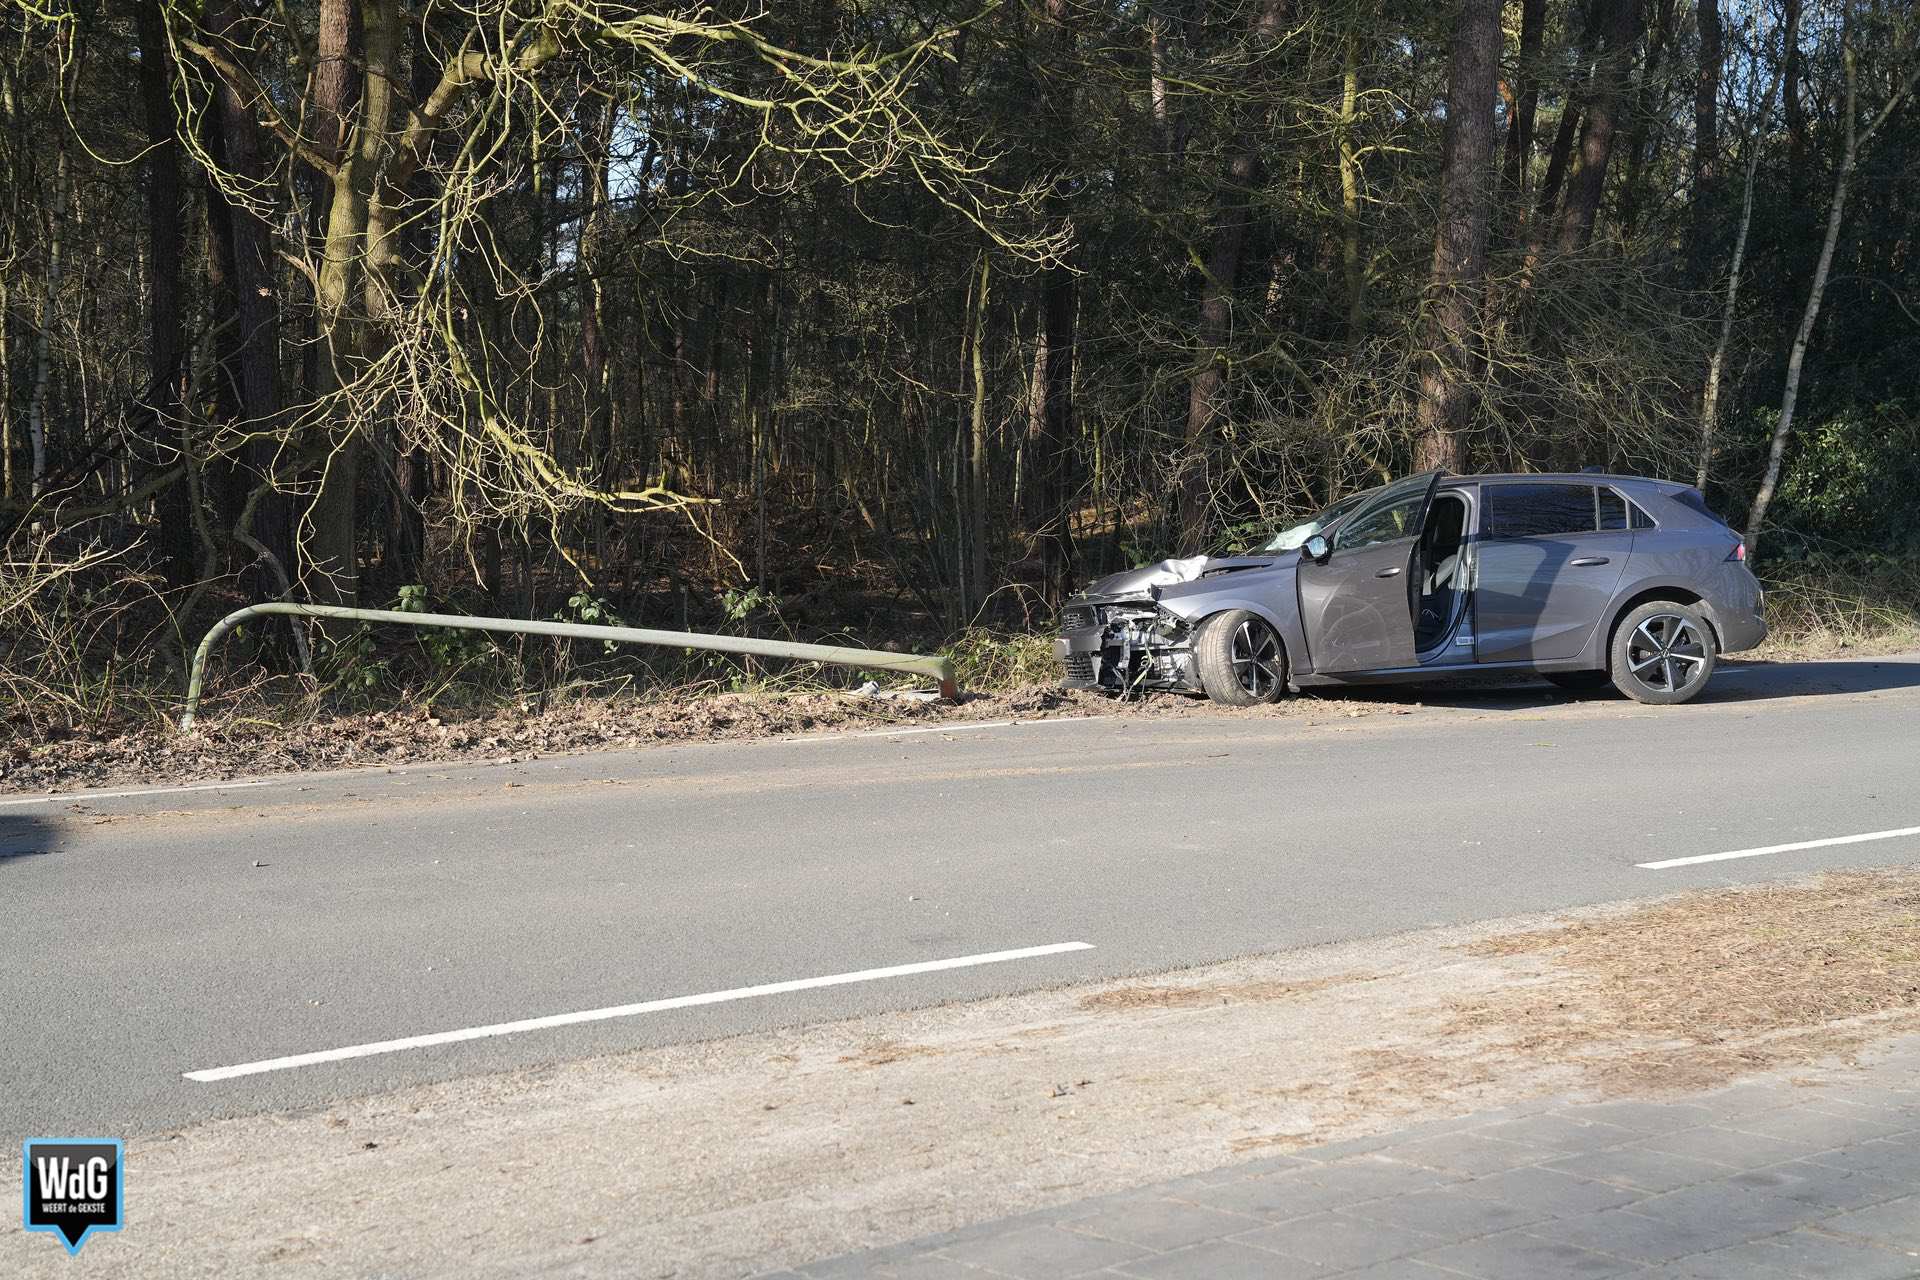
896, 321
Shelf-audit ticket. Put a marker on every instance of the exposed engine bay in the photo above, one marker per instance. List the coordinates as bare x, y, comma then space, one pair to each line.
1126, 647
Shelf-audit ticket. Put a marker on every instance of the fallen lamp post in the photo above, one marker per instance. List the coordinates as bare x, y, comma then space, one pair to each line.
939, 668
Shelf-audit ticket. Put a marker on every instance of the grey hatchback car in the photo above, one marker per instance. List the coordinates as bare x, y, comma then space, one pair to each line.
1584, 579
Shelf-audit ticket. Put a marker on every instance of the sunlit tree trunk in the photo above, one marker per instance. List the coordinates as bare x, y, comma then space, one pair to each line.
165, 353
1717, 362
1856, 138
1352, 267
977, 459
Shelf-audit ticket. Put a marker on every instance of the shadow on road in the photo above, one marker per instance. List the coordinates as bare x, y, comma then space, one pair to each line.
1747, 681
22, 837
1736, 681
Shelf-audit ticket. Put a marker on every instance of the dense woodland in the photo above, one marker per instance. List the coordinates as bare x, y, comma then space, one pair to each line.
872, 317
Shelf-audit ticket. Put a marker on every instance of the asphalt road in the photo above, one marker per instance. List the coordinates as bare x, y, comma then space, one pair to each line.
143, 937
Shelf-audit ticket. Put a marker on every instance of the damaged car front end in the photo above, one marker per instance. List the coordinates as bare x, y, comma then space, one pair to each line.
1133, 632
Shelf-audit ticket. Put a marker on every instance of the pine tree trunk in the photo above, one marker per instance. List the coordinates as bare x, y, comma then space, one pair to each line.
1207, 392
1460, 243
1526, 101
1603, 117
1706, 143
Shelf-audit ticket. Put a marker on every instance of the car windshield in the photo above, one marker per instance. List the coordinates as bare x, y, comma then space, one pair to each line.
1289, 539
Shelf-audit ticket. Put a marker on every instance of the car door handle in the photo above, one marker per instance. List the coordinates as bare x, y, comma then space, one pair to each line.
1388, 573
1584, 561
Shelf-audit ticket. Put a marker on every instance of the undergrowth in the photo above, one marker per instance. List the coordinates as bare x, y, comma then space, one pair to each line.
1830, 603
91, 641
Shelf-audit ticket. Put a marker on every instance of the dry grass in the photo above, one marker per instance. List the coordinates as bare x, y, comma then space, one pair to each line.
1197, 995
1830, 604
1704, 987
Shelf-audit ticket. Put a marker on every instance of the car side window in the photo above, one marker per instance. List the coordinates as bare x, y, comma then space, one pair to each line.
1613, 510
1541, 510
1639, 519
1382, 524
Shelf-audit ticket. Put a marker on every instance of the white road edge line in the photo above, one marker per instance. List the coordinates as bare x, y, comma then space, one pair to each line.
78, 796
1779, 848
213, 1074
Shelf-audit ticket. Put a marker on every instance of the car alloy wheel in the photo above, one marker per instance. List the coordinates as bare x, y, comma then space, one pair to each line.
1665, 653
1255, 655
1240, 658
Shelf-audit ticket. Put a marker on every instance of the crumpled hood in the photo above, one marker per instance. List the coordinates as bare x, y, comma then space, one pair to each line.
1169, 573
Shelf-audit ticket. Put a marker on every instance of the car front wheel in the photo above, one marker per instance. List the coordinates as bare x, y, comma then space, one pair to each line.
1663, 653
1240, 659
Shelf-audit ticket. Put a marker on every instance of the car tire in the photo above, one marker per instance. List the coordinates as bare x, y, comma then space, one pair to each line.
1663, 653
1240, 658
1578, 681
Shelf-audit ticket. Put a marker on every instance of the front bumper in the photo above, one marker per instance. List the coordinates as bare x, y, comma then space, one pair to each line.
1124, 646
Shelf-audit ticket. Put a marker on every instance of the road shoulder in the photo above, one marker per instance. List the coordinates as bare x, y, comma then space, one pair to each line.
906, 1124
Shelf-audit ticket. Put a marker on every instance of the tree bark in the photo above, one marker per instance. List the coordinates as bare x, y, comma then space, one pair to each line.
1706, 142
1526, 101
1052, 447
1790, 105
596, 140
255, 347
1460, 242
977, 461
1207, 392
1650, 103
349, 291
1351, 265
44, 322
1603, 116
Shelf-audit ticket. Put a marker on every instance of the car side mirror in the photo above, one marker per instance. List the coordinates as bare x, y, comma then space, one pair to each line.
1315, 549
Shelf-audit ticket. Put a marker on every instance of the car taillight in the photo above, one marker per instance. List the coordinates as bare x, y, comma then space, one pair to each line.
1739, 552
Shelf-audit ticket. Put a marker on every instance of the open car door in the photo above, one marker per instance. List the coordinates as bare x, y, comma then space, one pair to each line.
1358, 603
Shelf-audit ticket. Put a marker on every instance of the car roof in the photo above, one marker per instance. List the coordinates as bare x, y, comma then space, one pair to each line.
1561, 477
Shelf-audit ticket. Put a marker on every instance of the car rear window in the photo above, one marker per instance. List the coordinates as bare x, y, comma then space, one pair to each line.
1693, 500
1540, 510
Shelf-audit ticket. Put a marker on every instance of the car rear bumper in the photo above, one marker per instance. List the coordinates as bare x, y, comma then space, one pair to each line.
1739, 610
1740, 628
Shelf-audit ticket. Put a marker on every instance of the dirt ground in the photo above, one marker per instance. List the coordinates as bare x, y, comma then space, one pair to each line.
236, 746
765, 1150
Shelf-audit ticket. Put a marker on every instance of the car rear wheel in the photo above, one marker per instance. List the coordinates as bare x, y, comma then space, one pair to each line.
1663, 653
1240, 659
